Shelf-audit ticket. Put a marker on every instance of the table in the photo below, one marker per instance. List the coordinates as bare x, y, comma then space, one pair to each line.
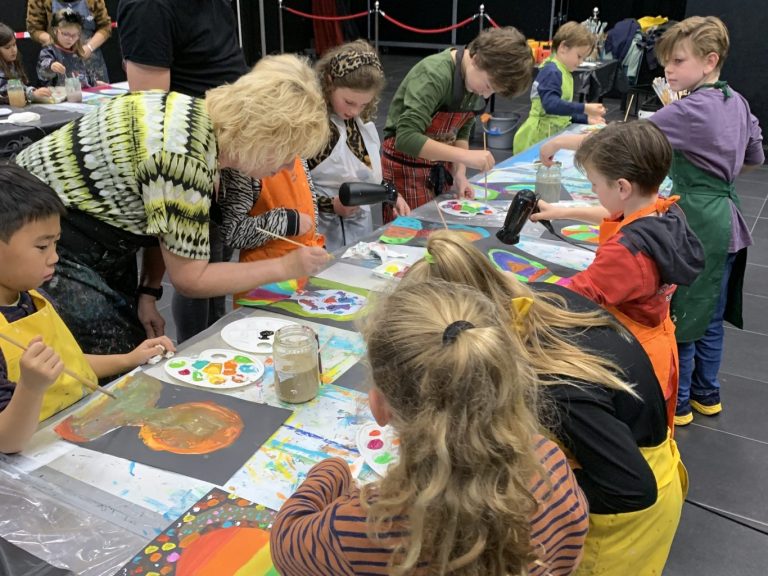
91, 513
15, 137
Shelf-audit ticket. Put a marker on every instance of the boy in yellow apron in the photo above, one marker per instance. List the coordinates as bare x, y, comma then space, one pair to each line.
646, 247
552, 108
32, 384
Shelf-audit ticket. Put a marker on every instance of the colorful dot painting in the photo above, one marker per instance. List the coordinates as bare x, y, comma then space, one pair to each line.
331, 302
221, 534
466, 208
524, 269
415, 232
378, 446
582, 232
216, 369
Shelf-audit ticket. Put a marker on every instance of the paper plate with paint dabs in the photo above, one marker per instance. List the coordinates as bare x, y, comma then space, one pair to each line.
216, 368
378, 446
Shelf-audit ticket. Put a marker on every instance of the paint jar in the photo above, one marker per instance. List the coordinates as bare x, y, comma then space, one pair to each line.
297, 373
74, 91
16, 95
548, 182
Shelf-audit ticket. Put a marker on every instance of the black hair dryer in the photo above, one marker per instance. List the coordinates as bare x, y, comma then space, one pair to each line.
523, 205
365, 193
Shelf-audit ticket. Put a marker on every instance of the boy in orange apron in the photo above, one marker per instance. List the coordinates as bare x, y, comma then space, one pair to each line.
284, 204
646, 247
32, 384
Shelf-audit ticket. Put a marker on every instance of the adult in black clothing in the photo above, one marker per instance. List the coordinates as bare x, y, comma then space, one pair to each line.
185, 46
602, 402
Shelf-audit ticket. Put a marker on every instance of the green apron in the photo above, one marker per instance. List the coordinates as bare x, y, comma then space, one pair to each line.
539, 125
704, 199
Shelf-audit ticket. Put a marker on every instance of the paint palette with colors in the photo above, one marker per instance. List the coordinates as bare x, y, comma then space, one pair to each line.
466, 208
391, 270
255, 334
378, 446
216, 368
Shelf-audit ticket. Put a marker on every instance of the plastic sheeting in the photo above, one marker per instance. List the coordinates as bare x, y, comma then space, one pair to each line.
58, 533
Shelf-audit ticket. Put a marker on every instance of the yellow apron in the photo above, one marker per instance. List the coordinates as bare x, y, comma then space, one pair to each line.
638, 542
47, 323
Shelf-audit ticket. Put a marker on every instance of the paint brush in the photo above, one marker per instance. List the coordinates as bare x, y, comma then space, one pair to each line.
440, 213
278, 237
629, 107
87, 383
485, 118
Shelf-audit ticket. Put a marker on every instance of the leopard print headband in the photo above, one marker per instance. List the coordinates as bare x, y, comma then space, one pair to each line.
346, 62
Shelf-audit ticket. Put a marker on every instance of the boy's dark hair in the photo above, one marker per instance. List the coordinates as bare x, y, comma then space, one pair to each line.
572, 35
636, 151
505, 55
24, 198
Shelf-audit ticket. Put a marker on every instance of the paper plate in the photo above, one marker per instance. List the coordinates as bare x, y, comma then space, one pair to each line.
466, 208
391, 270
216, 368
255, 334
113, 91
378, 446
5, 111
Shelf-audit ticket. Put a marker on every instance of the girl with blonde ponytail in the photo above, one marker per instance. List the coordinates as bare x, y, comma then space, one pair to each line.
602, 402
476, 491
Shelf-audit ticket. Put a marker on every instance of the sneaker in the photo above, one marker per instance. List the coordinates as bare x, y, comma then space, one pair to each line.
683, 419
706, 408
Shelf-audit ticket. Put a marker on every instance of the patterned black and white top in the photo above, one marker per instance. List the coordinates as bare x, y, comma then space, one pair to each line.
237, 197
145, 163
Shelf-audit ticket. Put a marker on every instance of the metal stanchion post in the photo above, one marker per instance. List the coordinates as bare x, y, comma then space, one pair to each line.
280, 20
482, 16
376, 26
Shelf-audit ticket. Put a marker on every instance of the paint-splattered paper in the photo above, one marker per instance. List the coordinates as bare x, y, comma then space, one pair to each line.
221, 535
192, 432
415, 232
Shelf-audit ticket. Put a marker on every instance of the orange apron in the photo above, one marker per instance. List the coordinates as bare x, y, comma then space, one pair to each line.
286, 189
658, 341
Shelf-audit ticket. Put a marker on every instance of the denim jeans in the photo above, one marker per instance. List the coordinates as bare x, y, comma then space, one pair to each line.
700, 360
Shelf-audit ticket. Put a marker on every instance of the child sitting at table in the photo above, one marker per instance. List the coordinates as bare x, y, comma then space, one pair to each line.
646, 247
12, 68
476, 489
66, 56
255, 211
32, 385
552, 108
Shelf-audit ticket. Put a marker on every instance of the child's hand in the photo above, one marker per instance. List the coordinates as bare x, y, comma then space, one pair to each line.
594, 109
481, 160
101, 83
595, 120
401, 207
463, 187
343, 211
304, 262
305, 224
546, 211
42, 93
150, 348
40, 366
59, 68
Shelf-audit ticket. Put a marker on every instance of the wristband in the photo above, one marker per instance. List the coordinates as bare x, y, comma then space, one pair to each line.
156, 292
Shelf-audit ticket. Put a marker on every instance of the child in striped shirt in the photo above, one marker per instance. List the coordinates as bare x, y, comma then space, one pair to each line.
476, 489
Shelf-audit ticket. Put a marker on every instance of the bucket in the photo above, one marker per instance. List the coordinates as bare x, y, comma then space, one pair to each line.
500, 131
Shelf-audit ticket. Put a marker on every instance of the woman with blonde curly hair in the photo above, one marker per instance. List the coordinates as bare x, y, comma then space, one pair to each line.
476, 490
144, 168
352, 79
602, 402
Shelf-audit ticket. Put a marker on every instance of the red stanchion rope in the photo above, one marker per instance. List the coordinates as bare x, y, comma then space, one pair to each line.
315, 17
492, 21
427, 30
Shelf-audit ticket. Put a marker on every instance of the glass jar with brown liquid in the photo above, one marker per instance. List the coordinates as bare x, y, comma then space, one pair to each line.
297, 374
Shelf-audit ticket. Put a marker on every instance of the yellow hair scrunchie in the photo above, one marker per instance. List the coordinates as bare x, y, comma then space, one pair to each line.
521, 306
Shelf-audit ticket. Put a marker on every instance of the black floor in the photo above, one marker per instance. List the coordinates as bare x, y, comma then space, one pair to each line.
726, 455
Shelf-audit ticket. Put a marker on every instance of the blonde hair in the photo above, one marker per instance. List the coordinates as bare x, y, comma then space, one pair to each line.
461, 410
274, 111
362, 76
707, 34
503, 53
545, 331
573, 34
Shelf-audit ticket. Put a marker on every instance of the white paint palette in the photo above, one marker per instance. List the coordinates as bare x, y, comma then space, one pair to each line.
466, 208
216, 368
391, 270
255, 334
378, 446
